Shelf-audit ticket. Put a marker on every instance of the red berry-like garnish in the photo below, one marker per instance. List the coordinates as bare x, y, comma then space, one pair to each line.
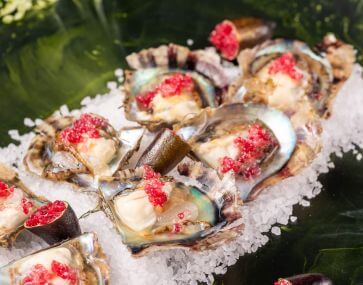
251, 171
282, 281
171, 86
285, 64
224, 38
181, 215
177, 228
149, 173
46, 214
154, 190
65, 272
26, 205
5, 190
86, 126
39, 275
227, 164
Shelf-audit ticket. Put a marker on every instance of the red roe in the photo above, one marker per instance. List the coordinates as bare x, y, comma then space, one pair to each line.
251, 149
39, 275
46, 214
282, 282
154, 187
26, 205
224, 37
85, 127
177, 228
285, 64
5, 190
171, 86
65, 272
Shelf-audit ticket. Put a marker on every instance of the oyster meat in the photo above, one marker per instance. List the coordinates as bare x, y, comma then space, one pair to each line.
75, 262
17, 203
79, 149
152, 211
251, 141
170, 83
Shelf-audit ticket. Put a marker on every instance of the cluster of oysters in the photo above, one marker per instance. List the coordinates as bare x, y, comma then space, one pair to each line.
223, 131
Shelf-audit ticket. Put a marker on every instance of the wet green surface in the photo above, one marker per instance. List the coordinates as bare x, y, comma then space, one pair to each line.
62, 54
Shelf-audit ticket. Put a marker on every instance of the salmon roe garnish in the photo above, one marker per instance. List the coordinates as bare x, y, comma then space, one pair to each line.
5, 190
154, 187
282, 281
85, 127
171, 86
46, 214
39, 275
285, 64
251, 150
225, 39
65, 272
26, 205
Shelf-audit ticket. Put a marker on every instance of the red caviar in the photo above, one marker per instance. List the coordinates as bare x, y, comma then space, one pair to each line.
154, 187
224, 37
39, 275
251, 149
46, 214
177, 228
282, 281
5, 190
26, 205
65, 272
86, 126
286, 64
181, 215
171, 86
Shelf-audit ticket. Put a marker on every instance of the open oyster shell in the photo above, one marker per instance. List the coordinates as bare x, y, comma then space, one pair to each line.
251, 141
189, 217
16, 207
171, 82
80, 158
82, 259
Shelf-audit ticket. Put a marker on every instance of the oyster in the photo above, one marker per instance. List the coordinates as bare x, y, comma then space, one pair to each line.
17, 203
153, 212
78, 150
251, 141
171, 82
293, 72
79, 261
229, 37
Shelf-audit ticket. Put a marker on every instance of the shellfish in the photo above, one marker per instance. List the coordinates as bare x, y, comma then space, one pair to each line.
78, 261
171, 82
17, 203
251, 141
78, 150
153, 212
229, 37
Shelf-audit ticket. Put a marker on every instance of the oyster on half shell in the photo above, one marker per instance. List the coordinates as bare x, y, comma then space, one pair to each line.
154, 212
79, 149
79, 261
171, 82
17, 203
251, 141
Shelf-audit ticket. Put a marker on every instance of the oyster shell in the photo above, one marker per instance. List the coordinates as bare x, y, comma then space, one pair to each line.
77, 261
154, 212
17, 203
171, 82
251, 141
78, 150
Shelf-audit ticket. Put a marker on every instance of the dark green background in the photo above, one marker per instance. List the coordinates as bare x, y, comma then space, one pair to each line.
62, 54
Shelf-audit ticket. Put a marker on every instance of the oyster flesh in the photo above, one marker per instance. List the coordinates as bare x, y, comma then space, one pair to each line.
17, 203
154, 212
79, 261
251, 141
171, 82
78, 150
